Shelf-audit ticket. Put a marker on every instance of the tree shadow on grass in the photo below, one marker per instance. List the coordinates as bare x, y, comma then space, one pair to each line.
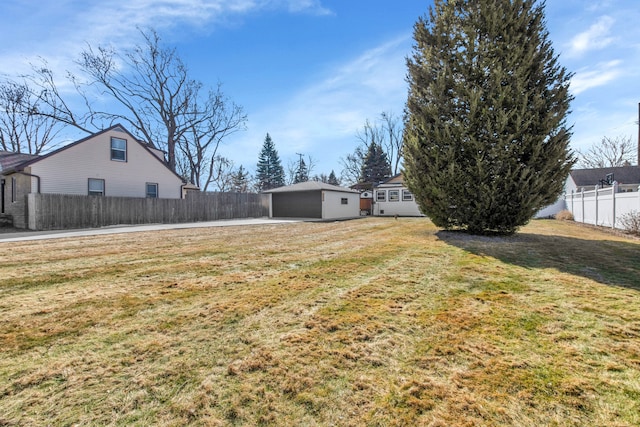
605, 261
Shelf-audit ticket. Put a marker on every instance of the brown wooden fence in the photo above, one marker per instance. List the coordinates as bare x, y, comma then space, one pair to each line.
59, 211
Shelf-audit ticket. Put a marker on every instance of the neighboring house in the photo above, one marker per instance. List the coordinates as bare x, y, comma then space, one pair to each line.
8, 192
393, 198
627, 177
313, 199
603, 196
584, 180
108, 163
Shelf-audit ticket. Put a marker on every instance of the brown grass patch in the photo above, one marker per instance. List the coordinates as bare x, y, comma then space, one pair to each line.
370, 322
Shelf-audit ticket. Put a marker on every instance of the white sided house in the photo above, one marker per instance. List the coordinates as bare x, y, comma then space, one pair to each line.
393, 198
313, 200
108, 163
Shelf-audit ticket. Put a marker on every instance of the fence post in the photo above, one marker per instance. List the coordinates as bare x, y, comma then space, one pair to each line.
32, 210
614, 190
582, 201
597, 191
572, 211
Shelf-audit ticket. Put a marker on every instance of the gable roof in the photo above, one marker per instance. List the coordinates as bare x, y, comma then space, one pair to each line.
310, 186
18, 166
21, 166
623, 174
395, 181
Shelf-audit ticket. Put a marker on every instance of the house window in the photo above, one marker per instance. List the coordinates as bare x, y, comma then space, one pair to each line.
381, 196
152, 190
407, 196
14, 189
96, 187
394, 195
344, 201
119, 149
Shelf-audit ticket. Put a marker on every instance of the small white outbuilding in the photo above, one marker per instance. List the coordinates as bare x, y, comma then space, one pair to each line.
315, 200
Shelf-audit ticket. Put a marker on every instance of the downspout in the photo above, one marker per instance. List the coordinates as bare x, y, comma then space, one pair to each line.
33, 176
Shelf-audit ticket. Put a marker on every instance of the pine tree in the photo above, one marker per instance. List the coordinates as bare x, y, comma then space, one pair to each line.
333, 180
240, 180
486, 141
269, 171
375, 165
302, 172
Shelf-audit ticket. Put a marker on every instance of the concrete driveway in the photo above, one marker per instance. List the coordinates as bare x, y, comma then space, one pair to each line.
22, 236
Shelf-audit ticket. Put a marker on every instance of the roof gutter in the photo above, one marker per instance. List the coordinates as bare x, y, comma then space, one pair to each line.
32, 176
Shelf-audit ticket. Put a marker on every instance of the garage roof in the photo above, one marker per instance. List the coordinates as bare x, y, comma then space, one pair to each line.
624, 175
310, 186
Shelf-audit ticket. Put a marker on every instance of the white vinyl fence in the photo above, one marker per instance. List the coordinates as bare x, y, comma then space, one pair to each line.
603, 206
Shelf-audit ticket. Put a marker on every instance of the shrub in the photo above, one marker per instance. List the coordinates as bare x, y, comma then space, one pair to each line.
564, 215
631, 222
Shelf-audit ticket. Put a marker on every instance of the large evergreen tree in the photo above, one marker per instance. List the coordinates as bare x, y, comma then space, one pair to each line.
486, 142
375, 165
269, 172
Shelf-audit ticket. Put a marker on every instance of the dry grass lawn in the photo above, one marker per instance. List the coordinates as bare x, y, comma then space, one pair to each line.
375, 322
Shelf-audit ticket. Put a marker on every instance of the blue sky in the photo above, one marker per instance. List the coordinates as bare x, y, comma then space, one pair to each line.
310, 72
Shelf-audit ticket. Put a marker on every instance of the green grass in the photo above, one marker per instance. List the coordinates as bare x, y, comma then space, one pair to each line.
369, 322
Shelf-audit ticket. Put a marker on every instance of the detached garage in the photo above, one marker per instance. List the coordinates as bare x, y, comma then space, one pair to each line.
313, 199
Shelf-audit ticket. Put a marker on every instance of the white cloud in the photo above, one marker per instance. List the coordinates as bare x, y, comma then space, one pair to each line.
602, 74
308, 6
596, 37
322, 119
59, 32
594, 6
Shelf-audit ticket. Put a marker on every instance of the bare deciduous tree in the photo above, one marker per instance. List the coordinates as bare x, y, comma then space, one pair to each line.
155, 96
352, 164
217, 119
610, 152
21, 130
392, 141
221, 174
386, 133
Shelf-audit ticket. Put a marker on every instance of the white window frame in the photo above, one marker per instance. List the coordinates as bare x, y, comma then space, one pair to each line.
407, 196
95, 192
394, 195
151, 195
118, 154
381, 195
